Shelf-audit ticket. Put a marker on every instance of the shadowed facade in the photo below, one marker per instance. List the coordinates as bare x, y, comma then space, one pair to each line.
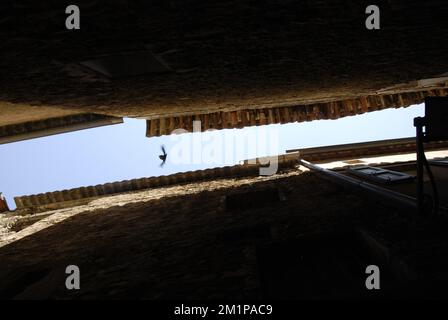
283, 57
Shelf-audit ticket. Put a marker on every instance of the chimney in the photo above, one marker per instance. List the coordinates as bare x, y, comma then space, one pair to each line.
3, 204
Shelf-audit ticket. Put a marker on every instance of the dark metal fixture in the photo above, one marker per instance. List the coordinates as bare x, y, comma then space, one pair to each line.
432, 127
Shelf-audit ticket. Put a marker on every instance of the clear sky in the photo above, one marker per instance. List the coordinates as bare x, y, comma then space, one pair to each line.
122, 152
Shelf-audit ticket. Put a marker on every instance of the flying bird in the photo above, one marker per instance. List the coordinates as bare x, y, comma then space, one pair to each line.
163, 156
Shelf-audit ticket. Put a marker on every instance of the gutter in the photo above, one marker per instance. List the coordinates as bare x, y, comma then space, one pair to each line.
399, 200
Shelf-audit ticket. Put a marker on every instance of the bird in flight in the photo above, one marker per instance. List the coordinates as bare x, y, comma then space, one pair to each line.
163, 156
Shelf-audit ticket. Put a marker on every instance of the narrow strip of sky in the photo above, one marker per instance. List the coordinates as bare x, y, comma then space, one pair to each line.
121, 152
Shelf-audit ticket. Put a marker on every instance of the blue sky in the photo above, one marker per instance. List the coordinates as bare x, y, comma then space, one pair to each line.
121, 152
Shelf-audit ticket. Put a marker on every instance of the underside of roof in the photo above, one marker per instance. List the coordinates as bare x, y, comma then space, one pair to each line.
220, 57
74, 197
52, 126
299, 113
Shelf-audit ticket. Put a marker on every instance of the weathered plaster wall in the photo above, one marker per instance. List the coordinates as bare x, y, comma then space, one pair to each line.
181, 242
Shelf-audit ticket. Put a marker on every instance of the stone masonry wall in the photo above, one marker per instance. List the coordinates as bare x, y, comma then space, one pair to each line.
188, 242
185, 245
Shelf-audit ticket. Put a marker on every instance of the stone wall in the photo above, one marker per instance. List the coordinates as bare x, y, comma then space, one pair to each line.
176, 246
226, 56
189, 242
